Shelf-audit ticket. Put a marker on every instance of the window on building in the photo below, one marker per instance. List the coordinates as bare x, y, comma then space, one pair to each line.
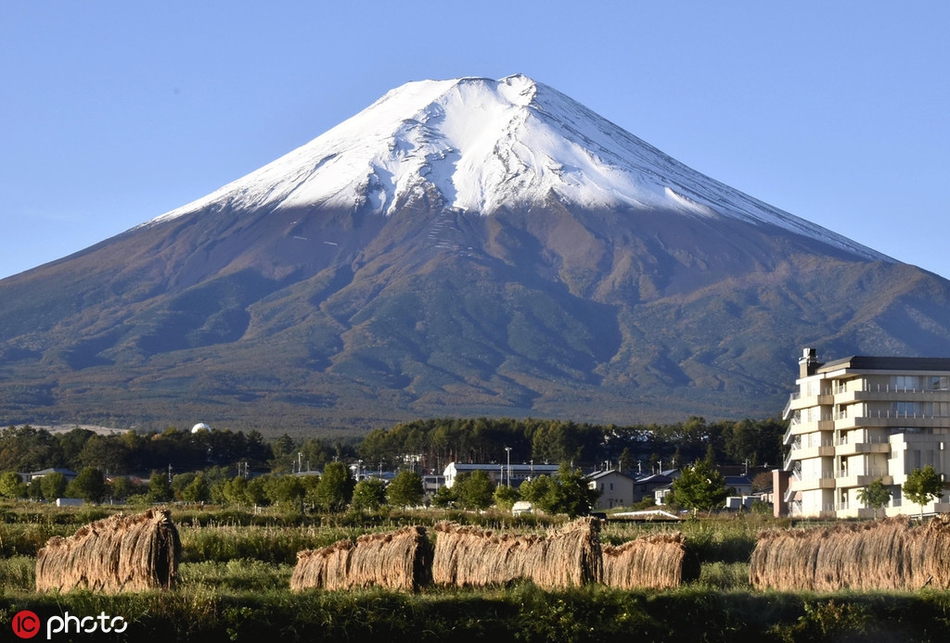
905, 382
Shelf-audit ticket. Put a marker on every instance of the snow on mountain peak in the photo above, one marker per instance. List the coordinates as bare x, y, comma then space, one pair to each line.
483, 145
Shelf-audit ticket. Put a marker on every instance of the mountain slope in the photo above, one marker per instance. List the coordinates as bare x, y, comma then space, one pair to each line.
465, 247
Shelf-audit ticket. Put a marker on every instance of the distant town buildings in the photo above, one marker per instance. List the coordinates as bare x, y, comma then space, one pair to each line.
500, 473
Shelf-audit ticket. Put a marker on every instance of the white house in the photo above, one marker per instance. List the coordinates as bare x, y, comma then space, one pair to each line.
501, 474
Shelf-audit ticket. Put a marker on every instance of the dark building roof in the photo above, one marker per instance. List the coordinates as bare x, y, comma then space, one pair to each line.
865, 362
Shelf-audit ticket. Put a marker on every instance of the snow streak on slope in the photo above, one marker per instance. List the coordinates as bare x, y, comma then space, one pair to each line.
484, 145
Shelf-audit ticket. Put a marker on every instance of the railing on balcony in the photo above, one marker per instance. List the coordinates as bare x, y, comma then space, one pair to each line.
789, 459
877, 472
890, 414
862, 439
890, 388
788, 404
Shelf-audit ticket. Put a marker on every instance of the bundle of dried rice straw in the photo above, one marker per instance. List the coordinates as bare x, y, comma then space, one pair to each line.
117, 554
654, 562
399, 560
467, 556
885, 554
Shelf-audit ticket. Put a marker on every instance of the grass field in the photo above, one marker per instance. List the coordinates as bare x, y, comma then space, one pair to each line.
235, 571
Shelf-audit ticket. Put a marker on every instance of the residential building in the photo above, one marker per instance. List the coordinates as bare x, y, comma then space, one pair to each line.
859, 419
616, 489
738, 485
36, 475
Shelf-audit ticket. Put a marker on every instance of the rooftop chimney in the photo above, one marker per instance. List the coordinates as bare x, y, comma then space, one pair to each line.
808, 363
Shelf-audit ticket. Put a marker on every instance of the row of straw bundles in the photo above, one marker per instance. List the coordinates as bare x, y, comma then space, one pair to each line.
654, 562
120, 553
399, 560
890, 554
467, 556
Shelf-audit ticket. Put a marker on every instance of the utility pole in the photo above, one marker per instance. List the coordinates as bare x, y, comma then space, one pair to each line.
508, 452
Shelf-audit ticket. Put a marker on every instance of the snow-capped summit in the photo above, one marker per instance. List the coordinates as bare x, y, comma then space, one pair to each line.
484, 144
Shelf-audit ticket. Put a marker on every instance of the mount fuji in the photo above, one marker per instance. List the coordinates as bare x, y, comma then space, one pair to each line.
461, 247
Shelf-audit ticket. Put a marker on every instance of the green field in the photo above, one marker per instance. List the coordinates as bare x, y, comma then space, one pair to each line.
233, 586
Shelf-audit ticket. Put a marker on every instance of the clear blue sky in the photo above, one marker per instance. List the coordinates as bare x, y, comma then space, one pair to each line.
112, 113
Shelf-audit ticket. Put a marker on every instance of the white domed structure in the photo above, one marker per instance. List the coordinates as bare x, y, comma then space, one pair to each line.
201, 426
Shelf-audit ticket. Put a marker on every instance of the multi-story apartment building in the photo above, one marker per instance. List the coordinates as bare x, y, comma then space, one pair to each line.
858, 419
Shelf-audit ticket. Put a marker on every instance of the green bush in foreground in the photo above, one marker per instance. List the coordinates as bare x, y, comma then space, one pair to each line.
522, 613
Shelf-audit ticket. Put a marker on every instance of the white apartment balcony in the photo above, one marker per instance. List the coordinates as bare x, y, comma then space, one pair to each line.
853, 510
789, 459
786, 412
801, 427
806, 484
806, 401
887, 418
845, 479
875, 444
825, 449
887, 389
787, 438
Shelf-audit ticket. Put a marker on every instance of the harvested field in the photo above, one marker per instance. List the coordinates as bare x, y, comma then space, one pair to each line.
117, 554
891, 554
471, 557
654, 562
399, 560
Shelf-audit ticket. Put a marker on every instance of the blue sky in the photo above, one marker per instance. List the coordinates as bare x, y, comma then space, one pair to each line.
112, 113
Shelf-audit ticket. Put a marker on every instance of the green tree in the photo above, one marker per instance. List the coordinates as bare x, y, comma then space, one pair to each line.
71, 443
875, 495
90, 485
232, 491
335, 487
538, 491
506, 497
285, 491
11, 486
626, 460
159, 488
180, 481
699, 487
369, 494
405, 490
121, 488
255, 492
198, 490
474, 490
444, 497
571, 493
922, 486
53, 485
105, 453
